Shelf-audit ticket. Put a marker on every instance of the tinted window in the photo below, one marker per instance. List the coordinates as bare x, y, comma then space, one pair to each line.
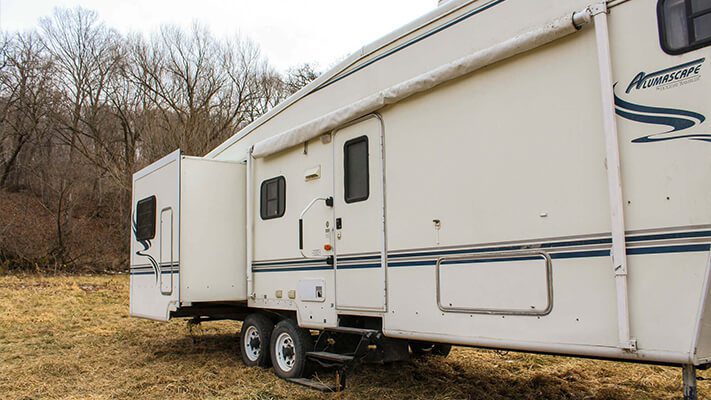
273, 198
684, 25
146, 218
355, 169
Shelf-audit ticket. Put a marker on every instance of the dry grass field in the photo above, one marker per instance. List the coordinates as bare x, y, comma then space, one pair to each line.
71, 338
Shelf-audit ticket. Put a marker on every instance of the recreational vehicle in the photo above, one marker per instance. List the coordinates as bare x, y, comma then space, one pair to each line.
507, 174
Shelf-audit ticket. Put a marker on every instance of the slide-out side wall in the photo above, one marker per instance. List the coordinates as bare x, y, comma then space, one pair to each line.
213, 241
155, 260
192, 235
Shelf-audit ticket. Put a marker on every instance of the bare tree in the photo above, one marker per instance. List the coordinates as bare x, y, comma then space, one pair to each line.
84, 52
299, 76
201, 88
83, 107
25, 118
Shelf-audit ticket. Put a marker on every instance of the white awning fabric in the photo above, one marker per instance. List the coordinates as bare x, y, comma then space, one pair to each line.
532, 39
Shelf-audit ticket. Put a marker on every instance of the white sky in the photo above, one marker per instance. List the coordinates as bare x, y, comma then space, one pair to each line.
289, 32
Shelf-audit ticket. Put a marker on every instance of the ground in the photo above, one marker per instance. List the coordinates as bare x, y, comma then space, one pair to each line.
72, 338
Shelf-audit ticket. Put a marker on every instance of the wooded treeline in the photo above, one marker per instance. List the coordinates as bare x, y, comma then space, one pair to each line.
82, 107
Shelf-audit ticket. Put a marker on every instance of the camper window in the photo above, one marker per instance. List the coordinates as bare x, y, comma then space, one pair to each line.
146, 218
273, 198
355, 169
684, 25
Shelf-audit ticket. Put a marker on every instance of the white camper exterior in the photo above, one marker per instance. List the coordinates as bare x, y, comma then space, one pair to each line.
507, 174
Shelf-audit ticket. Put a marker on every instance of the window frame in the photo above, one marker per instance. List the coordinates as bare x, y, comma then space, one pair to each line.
690, 16
139, 236
348, 143
264, 200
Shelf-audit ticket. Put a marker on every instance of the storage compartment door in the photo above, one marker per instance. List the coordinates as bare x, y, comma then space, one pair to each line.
501, 284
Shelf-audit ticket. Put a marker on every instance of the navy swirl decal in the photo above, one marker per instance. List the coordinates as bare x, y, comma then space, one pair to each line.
675, 119
146, 245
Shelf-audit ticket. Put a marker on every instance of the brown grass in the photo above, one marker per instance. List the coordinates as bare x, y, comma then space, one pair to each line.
71, 338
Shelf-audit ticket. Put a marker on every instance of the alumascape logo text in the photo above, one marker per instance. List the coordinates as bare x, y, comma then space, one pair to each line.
681, 72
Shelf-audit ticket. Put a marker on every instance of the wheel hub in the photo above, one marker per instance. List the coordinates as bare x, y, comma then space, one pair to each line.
254, 342
288, 352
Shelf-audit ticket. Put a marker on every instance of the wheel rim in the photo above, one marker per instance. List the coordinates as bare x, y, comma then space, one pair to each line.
285, 352
252, 343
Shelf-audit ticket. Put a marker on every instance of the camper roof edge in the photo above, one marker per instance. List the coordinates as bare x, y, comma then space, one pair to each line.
437, 13
549, 32
158, 164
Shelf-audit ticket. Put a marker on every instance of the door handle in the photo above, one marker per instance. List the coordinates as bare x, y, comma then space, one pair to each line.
160, 256
329, 203
301, 234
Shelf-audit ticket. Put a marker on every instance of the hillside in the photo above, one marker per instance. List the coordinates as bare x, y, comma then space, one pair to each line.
29, 239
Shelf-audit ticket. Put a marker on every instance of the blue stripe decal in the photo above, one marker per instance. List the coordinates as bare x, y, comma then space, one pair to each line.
318, 268
147, 269
410, 43
664, 236
152, 273
146, 246
581, 254
504, 248
670, 249
295, 262
556, 256
573, 243
283, 262
677, 124
658, 110
450, 252
677, 120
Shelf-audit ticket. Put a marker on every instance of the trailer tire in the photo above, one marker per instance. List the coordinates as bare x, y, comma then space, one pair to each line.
288, 350
255, 337
427, 348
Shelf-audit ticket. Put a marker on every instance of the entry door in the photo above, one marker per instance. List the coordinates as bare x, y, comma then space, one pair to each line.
359, 216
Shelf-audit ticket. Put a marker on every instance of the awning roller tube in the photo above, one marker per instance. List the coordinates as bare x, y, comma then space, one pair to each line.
556, 29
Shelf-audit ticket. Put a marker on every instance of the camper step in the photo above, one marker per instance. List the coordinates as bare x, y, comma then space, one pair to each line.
355, 331
326, 356
313, 384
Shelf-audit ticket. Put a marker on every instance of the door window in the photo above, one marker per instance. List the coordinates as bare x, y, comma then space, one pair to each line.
355, 170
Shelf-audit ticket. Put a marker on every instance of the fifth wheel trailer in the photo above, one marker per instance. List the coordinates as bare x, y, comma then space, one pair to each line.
507, 174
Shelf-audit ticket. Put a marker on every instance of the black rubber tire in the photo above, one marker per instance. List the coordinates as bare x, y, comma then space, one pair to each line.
264, 327
302, 342
428, 348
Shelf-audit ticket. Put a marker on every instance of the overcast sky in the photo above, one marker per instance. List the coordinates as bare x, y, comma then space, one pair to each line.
289, 32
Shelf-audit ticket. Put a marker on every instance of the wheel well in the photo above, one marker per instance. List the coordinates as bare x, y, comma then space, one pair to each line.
277, 315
